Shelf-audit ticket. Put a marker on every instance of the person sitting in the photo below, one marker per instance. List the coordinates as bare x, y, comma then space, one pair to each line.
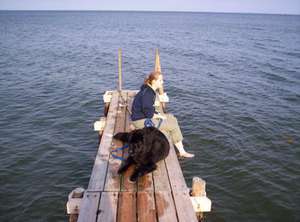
144, 113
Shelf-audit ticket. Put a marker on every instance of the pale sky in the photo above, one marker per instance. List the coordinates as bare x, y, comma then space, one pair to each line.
252, 6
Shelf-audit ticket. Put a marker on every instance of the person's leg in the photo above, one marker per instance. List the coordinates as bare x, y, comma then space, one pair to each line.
182, 151
138, 124
170, 125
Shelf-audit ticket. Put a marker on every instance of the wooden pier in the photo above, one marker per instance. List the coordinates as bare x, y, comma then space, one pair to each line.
160, 196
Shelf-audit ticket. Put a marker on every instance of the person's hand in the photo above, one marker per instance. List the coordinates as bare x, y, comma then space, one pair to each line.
159, 116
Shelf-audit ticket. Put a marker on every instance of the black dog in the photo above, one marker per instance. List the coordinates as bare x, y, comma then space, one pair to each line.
147, 146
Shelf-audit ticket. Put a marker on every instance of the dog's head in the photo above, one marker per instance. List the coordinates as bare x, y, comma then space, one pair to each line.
135, 140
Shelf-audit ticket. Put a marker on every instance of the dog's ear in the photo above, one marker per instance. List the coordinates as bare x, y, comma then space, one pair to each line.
124, 137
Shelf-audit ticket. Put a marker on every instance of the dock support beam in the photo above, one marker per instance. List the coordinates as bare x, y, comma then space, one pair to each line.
73, 204
199, 200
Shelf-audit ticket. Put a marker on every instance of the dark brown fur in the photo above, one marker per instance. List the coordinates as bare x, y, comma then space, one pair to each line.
147, 146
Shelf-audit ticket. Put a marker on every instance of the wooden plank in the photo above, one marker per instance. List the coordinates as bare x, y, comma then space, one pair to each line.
125, 184
127, 207
161, 178
180, 191
165, 206
146, 211
100, 166
145, 183
184, 207
89, 207
174, 171
130, 91
145, 199
146, 207
176, 178
108, 207
112, 182
110, 124
127, 200
166, 210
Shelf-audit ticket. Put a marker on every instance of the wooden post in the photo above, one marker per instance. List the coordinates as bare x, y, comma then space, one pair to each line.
73, 203
157, 68
106, 107
73, 218
120, 70
106, 99
198, 189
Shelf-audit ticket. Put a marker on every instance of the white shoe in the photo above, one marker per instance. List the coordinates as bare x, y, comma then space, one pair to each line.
186, 155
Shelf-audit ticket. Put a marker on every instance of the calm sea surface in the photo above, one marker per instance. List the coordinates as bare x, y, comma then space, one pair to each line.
233, 82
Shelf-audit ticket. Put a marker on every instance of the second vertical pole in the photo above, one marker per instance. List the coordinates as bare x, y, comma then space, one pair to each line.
120, 70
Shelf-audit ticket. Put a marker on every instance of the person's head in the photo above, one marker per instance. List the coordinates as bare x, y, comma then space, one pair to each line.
155, 79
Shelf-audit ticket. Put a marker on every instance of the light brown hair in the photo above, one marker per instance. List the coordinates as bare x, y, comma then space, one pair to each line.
152, 76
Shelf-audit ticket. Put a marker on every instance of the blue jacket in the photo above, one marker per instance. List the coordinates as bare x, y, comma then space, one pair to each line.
142, 106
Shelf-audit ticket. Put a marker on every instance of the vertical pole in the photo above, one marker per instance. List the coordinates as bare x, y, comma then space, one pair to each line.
157, 68
120, 70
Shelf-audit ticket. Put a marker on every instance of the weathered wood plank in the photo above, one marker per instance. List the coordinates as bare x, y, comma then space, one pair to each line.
127, 207
174, 171
145, 183
146, 207
100, 166
166, 210
180, 191
89, 207
108, 207
104, 148
127, 200
184, 207
161, 178
112, 182
146, 211
125, 184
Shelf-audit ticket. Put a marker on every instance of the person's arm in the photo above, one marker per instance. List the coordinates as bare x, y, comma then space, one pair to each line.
147, 105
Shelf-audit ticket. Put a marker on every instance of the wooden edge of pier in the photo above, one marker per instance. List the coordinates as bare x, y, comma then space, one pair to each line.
158, 196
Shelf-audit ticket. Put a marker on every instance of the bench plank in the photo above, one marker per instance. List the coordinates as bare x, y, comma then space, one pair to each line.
184, 207
174, 171
166, 210
108, 207
112, 182
89, 207
146, 207
127, 207
125, 184
100, 166
161, 178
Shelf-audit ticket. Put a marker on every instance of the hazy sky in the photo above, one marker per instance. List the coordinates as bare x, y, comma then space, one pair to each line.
256, 6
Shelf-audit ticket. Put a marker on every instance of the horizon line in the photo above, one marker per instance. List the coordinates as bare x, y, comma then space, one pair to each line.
176, 11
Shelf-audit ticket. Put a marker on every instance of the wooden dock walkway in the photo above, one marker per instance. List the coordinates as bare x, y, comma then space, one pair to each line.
161, 196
